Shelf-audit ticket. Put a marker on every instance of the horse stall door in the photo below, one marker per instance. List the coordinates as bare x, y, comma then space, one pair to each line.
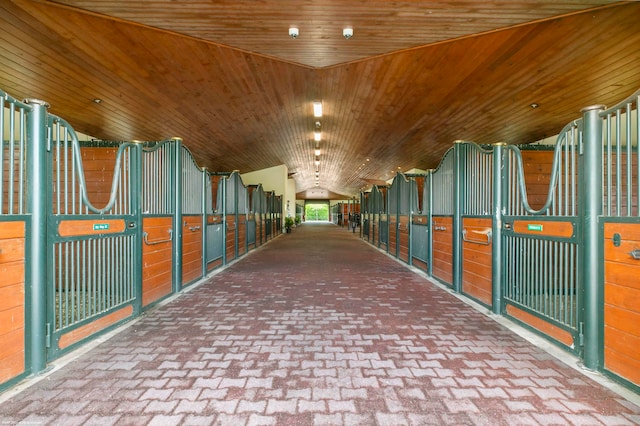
420, 242
93, 260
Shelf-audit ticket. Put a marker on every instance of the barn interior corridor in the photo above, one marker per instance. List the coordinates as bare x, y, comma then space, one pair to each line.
316, 328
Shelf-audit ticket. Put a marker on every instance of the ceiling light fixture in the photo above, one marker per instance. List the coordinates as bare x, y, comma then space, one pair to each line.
347, 32
97, 100
317, 136
317, 161
317, 152
293, 32
317, 109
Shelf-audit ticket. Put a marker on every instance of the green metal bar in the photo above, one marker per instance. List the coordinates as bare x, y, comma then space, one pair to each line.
38, 181
136, 182
591, 203
496, 248
205, 256
429, 211
177, 215
458, 184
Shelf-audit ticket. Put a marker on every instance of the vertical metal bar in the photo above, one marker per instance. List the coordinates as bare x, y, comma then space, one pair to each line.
429, 210
629, 178
177, 214
496, 229
38, 181
136, 184
618, 166
11, 153
2, 145
203, 227
591, 196
456, 250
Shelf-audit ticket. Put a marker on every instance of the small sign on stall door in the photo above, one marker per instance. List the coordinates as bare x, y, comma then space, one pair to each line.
100, 226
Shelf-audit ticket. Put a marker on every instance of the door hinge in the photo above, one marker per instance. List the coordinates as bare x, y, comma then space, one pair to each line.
581, 333
47, 343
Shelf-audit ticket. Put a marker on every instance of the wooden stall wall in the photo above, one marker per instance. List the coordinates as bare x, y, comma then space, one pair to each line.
192, 255
442, 249
622, 300
157, 259
242, 235
230, 245
477, 247
12, 300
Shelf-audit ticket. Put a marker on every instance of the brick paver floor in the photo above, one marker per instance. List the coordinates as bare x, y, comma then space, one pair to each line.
317, 328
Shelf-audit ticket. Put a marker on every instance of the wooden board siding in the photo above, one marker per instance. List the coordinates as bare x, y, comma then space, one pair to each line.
622, 301
156, 259
551, 330
403, 238
12, 300
393, 244
442, 241
230, 246
476, 259
242, 235
80, 333
191, 248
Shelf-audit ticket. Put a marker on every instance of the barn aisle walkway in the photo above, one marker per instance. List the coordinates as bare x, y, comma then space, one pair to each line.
317, 328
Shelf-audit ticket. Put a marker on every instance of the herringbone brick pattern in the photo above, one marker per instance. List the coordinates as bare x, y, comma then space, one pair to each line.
317, 328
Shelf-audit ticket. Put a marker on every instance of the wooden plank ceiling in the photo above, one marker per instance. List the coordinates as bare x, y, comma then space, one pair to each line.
227, 78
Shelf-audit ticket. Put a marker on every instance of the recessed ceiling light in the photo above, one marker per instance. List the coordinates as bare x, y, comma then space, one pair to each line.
534, 105
97, 101
293, 32
347, 32
317, 109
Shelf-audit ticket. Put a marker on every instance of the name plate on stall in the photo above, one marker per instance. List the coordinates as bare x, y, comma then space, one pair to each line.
534, 227
100, 226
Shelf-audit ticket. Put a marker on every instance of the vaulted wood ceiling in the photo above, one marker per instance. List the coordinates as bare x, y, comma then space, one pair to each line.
227, 78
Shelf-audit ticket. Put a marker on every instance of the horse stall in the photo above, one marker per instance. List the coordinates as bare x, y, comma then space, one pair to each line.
192, 222
475, 206
258, 210
365, 219
402, 201
215, 232
236, 212
419, 236
619, 235
441, 212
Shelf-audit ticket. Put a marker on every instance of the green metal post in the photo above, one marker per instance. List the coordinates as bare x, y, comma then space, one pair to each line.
457, 217
136, 205
177, 215
429, 210
590, 197
38, 185
222, 186
496, 231
205, 256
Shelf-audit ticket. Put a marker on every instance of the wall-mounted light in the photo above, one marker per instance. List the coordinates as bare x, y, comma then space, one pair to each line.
317, 136
317, 109
347, 32
293, 32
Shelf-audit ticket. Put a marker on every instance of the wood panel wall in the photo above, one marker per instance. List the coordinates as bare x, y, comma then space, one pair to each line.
12, 300
622, 301
403, 238
442, 248
476, 259
230, 248
242, 235
393, 243
192, 256
156, 259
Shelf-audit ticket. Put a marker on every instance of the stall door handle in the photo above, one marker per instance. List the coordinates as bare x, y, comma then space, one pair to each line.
635, 254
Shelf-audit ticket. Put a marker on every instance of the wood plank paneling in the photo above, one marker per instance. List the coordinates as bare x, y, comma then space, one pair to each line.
442, 249
156, 260
191, 248
622, 301
12, 300
477, 275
